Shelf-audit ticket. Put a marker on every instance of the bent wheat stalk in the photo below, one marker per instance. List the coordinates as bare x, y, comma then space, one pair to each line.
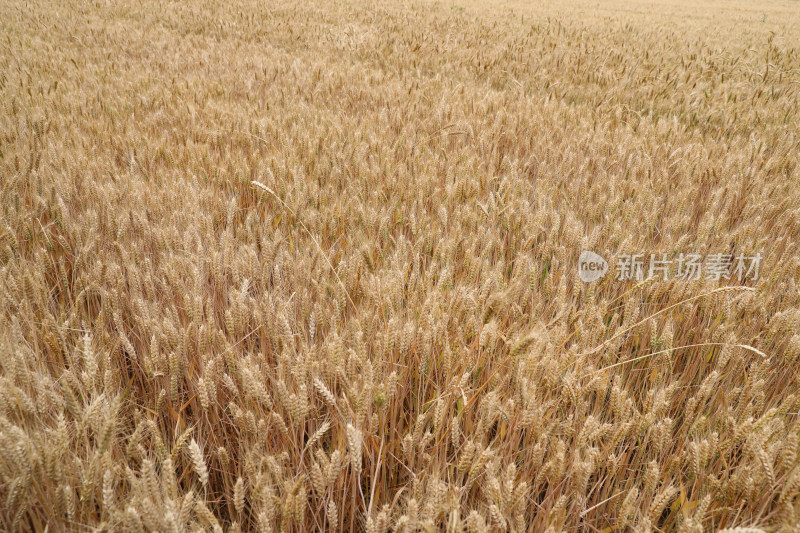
745, 346
319, 247
659, 312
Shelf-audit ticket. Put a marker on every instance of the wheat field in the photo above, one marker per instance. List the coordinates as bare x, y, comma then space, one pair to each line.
307, 266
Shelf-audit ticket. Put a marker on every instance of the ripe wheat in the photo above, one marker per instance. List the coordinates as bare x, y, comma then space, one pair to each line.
313, 266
